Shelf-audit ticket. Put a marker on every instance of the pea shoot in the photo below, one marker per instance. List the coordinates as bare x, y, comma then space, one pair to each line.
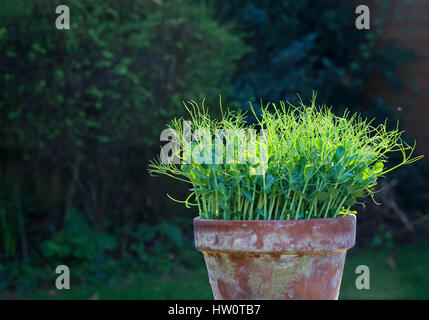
304, 162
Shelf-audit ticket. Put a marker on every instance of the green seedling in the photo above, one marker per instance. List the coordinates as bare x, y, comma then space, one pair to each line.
314, 164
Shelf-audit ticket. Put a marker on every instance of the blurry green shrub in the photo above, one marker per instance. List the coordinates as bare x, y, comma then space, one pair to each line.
383, 238
77, 242
82, 109
111, 78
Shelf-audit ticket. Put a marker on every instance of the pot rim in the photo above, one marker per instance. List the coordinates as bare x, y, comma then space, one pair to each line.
273, 220
275, 236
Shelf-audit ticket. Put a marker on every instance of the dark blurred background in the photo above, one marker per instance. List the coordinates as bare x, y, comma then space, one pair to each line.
81, 111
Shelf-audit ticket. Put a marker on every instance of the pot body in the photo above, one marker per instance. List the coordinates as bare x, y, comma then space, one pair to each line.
275, 259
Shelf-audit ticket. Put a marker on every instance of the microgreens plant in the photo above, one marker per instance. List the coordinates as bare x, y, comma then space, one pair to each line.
307, 163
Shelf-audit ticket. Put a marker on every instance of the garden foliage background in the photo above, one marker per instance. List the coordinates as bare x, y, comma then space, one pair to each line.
81, 111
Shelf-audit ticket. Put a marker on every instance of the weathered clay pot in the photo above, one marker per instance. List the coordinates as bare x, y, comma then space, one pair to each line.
277, 259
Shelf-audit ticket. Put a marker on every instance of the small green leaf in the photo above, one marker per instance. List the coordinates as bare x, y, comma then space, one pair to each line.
366, 174
269, 180
333, 192
308, 171
378, 167
359, 193
339, 153
320, 195
248, 196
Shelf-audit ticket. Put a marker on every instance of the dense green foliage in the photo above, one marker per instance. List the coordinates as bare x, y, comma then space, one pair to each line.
305, 163
81, 109
101, 83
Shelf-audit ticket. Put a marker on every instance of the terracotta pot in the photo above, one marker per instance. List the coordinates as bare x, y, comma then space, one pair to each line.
277, 259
